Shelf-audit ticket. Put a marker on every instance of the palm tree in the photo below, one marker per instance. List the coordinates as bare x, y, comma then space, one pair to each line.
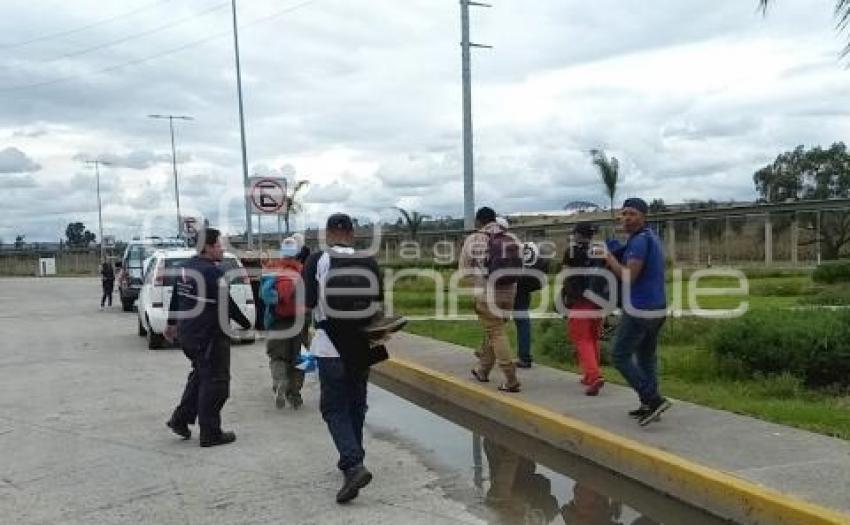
413, 220
293, 204
842, 14
610, 171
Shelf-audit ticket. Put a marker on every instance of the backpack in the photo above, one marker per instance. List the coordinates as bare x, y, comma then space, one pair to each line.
278, 290
576, 285
339, 279
504, 253
532, 265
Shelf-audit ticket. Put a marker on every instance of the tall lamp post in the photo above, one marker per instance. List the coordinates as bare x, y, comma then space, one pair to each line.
171, 119
97, 164
248, 226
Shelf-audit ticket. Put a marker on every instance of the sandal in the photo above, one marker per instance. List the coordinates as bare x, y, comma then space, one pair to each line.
513, 389
480, 378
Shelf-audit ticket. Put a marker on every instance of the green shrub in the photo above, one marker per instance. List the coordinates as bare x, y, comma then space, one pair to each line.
814, 348
781, 287
835, 295
553, 341
832, 272
686, 330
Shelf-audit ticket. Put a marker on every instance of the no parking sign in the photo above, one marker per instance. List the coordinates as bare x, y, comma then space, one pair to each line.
267, 195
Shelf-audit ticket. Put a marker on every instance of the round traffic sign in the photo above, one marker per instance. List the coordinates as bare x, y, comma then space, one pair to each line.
268, 195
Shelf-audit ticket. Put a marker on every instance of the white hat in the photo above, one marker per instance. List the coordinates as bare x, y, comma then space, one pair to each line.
289, 247
503, 222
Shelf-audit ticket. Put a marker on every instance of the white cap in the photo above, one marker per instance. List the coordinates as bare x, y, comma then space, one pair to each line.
503, 222
289, 247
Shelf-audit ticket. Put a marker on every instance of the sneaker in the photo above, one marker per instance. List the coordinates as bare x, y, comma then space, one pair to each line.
594, 388
355, 479
523, 364
223, 438
295, 401
655, 409
639, 412
181, 429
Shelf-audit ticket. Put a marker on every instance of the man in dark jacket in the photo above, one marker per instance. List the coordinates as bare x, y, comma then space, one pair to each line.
341, 345
194, 315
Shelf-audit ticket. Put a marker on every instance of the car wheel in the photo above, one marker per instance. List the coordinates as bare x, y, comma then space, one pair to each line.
142, 331
127, 305
155, 341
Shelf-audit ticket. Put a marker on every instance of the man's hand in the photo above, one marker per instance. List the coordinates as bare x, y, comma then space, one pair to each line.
170, 334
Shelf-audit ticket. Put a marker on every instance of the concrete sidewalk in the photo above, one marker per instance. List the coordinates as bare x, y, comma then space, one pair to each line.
807, 466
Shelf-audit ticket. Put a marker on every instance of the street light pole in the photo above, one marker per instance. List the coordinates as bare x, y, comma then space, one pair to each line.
466, 70
174, 161
248, 226
97, 164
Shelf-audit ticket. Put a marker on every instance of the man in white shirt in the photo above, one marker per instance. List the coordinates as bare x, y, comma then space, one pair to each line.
341, 344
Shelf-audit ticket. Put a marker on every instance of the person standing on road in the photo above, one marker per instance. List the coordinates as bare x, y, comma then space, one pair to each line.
584, 317
193, 314
484, 253
640, 269
107, 280
279, 285
341, 344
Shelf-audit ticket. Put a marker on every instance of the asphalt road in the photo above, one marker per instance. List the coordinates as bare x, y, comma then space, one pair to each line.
82, 436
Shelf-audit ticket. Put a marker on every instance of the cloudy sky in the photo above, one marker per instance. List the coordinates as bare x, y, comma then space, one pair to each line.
363, 98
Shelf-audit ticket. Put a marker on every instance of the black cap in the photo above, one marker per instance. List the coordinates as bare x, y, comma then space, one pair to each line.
485, 215
340, 221
587, 229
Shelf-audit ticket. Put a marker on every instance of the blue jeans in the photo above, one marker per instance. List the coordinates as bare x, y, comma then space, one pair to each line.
343, 407
635, 354
523, 326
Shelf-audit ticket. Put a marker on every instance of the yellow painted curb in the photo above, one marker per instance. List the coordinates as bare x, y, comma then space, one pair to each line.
718, 492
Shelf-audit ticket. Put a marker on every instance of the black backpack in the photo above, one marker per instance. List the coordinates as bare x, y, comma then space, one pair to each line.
346, 287
576, 285
504, 253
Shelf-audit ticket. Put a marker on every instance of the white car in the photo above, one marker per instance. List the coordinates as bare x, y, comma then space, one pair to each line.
156, 290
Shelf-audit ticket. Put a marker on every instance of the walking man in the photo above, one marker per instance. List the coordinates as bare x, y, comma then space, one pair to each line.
640, 269
584, 317
193, 314
487, 251
284, 315
341, 344
107, 279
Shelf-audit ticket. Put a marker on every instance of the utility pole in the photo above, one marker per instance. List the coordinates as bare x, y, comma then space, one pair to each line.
248, 226
97, 164
468, 159
174, 161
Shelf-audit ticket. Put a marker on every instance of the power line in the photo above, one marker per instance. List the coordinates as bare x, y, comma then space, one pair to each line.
67, 32
136, 36
167, 52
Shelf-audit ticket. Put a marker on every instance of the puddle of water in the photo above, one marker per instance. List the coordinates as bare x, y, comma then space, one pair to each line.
507, 478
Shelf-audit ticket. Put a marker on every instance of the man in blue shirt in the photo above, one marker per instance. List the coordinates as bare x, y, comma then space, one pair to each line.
639, 267
194, 314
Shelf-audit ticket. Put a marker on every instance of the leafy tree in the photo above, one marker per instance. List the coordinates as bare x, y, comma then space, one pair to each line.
413, 220
658, 206
19, 242
816, 173
842, 13
78, 236
609, 169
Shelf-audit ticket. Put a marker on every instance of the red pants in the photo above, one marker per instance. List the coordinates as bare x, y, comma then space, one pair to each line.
584, 333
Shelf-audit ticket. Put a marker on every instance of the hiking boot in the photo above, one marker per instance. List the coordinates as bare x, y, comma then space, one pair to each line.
355, 479
181, 429
594, 388
222, 438
655, 409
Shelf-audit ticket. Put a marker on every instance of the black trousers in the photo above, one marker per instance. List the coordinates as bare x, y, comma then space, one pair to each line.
207, 387
108, 287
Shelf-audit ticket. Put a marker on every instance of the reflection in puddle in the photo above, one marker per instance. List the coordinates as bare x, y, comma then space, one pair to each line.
510, 479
